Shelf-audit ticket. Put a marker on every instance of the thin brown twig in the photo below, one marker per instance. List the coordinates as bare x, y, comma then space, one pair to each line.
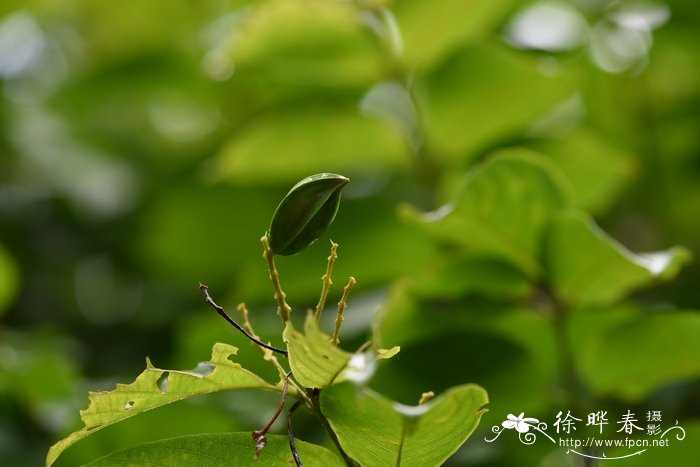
222, 312
259, 435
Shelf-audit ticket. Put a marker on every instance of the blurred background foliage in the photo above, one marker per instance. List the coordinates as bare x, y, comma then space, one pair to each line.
144, 146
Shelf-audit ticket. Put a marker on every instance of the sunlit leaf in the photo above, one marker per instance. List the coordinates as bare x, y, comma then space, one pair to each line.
597, 169
502, 209
156, 387
314, 360
301, 43
448, 24
288, 145
218, 450
680, 453
378, 432
664, 345
485, 94
588, 267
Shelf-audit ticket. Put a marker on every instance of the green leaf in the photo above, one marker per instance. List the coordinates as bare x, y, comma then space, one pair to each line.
156, 387
376, 431
302, 44
588, 267
597, 169
9, 279
664, 344
315, 362
218, 450
483, 95
502, 209
448, 24
305, 213
289, 144
454, 277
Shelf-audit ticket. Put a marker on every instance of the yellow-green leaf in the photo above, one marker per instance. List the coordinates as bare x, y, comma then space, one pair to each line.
377, 432
314, 360
588, 267
156, 387
502, 210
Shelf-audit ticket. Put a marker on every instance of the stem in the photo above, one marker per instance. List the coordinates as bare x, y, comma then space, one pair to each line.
267, 354
259, 435
316, 407
327, 282
284, 310
572, 383
222, 312
290, 433
342, 304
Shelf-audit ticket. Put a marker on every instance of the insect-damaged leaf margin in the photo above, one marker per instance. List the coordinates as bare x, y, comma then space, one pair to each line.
150, 391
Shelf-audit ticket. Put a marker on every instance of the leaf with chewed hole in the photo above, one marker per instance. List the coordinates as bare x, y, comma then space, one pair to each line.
218, 450
314, 360
156, 387
376, 431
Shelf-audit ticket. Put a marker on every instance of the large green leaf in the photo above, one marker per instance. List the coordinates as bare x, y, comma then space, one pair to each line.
502, 343
588, 267
483, 95
302, 43
629, 352
502, 209
449, 25
218, 450
378, 432
315, 362
597, 169
289, 144
156, 387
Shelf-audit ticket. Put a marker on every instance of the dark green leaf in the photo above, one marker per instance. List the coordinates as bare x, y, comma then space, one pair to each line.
305, 213
9, 279
218, 450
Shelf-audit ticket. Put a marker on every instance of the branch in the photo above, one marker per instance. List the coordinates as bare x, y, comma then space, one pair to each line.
327, 282
259, 435
342, 304
284, 310
222, 312
267, 354
290, 433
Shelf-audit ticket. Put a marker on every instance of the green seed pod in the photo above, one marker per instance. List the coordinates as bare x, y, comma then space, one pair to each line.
305, 213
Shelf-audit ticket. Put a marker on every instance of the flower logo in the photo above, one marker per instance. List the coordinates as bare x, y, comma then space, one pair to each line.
521, 424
